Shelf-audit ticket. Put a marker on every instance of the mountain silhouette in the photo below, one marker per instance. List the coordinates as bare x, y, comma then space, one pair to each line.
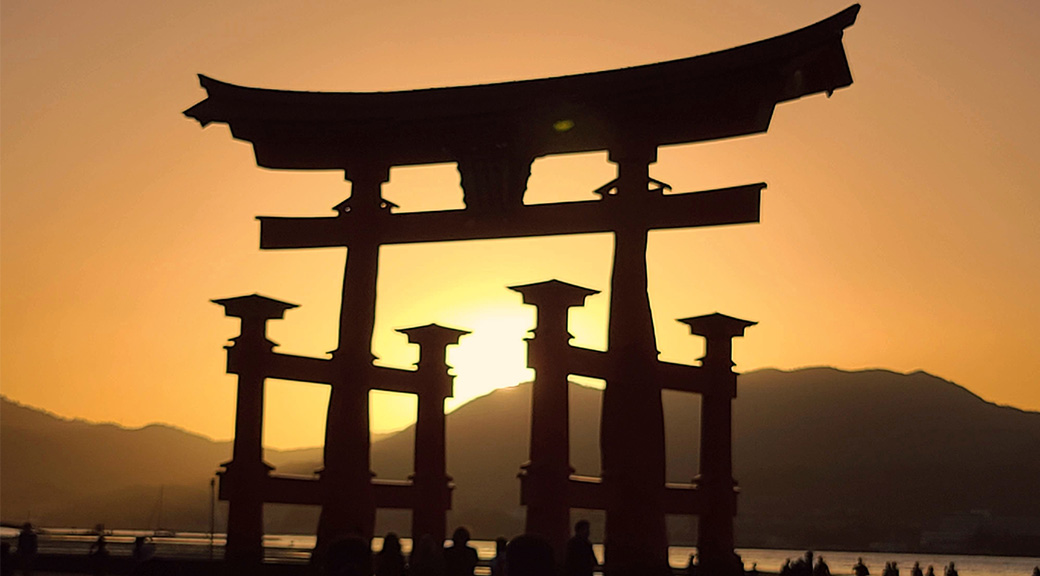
825, 458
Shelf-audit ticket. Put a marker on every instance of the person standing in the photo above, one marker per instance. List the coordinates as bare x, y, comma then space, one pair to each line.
390, 561
460, 559
427, 558
860, 569
27, 548
821, 568
530, 555
580, 559
498, 563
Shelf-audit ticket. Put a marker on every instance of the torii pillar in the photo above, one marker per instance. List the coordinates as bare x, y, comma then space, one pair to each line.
546, 476
247, 472
715, 540
431, 484
632, 425
348, 500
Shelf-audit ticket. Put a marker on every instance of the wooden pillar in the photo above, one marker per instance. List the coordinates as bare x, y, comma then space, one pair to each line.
545, 477
431, 485
715, 538
632, 424
243, 477
348, 502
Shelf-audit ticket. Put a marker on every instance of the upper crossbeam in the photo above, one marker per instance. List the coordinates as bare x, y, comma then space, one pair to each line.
735, 205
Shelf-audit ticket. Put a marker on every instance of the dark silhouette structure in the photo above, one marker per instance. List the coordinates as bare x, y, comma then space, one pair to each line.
494, 132
247, 482
548, 486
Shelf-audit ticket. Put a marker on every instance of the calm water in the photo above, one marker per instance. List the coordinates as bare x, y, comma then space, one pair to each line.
296, 548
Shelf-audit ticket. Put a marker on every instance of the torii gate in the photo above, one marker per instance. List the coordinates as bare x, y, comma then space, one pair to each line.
549, 487
493, 132
247, 482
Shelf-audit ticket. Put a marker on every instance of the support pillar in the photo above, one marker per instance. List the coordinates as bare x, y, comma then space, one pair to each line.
348, 501
545, 477
715, 538
632, 424
244, 476
431, 485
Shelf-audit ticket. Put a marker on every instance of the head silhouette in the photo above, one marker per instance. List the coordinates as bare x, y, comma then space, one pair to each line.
461, 536
581, 528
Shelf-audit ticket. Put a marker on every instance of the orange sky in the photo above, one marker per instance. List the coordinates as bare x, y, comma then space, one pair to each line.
899, 229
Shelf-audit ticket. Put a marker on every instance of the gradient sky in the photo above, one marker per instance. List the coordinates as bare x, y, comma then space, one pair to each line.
900, 228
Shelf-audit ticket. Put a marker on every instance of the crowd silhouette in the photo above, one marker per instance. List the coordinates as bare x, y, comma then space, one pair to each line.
524, 555
804, 566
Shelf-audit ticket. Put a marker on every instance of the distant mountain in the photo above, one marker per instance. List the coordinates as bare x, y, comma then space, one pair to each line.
877, 456
825, 458
61, 472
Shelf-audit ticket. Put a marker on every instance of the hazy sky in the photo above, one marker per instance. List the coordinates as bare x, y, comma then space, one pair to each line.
899, 229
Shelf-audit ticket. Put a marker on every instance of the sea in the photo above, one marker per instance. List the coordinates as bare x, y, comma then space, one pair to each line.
295, 548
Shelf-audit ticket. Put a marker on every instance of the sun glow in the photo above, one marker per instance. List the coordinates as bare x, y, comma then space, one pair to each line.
494, 356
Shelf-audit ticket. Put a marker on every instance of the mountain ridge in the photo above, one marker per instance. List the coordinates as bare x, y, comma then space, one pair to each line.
823, 456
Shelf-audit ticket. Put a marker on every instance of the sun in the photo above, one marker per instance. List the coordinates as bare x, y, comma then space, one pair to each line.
494, 355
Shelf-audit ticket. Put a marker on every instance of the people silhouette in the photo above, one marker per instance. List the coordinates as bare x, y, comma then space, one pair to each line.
498, 563
930, 571
460, 559
389, 561
529, 555
804, 565
427, 558
859, 568
27, 548
951, 570
350, 556
580, 559
916, 570
821, 568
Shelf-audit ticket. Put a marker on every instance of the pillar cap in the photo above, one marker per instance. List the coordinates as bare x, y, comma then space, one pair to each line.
434, 332
553, 290
716, 324
254, 306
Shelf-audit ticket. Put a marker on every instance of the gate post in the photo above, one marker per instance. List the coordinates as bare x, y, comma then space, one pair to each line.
243, 478
431, 484
545, 478
715, 539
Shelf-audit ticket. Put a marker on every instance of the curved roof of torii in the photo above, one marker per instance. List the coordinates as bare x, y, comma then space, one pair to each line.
717, 95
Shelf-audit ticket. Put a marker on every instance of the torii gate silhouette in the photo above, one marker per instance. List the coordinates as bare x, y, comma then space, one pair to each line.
493, 132
549, 487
